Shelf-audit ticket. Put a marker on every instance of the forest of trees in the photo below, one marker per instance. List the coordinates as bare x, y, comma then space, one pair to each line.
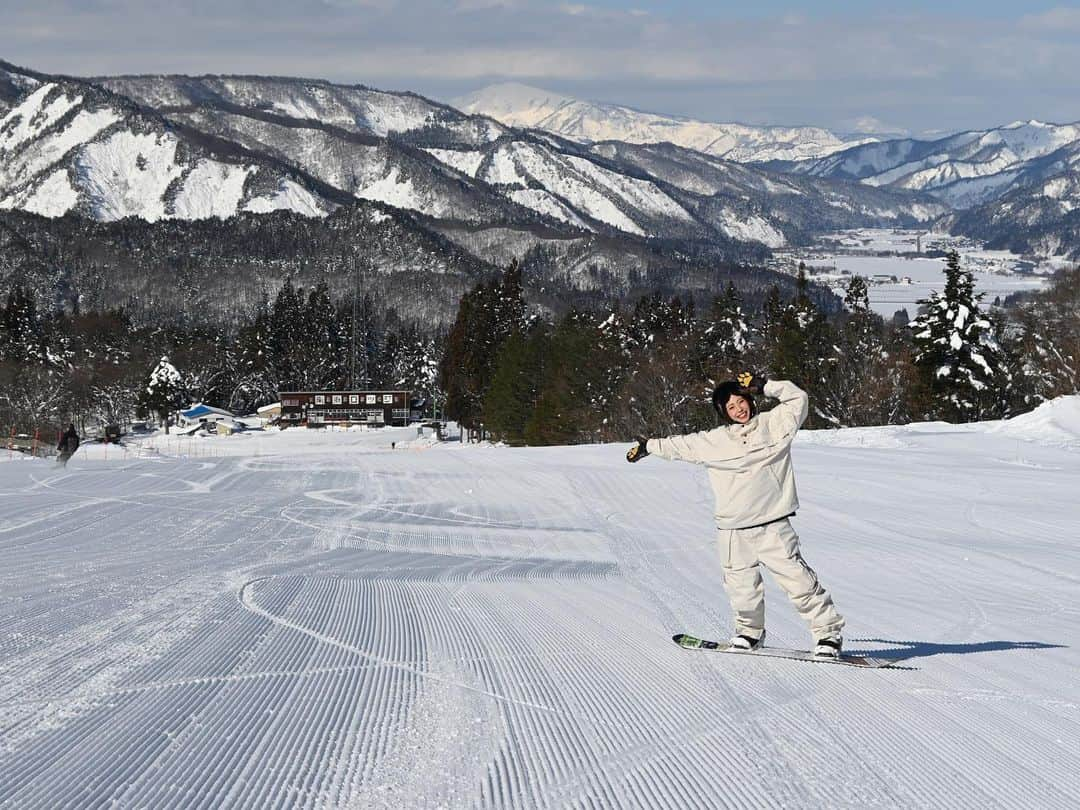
97, 369
649, 369
644, 367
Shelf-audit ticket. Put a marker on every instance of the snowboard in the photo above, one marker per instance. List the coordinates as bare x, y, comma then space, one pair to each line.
691, 643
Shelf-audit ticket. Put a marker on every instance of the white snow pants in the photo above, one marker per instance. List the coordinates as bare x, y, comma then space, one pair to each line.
776, 546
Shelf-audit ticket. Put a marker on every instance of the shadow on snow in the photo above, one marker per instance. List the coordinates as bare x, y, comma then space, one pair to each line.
925, 649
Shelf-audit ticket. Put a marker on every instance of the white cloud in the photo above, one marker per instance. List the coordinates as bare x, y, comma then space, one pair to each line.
939, 65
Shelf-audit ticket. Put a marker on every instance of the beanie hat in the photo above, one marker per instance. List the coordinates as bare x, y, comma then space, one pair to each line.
723, 392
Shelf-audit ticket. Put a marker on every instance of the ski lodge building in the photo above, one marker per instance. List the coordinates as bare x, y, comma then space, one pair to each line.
317, 408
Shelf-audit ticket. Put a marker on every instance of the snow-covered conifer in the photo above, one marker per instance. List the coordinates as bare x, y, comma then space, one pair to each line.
957, 350
723, 339
163, 392
860, 380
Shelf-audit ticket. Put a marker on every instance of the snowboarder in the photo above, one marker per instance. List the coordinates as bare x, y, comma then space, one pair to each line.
749, 462
69, 443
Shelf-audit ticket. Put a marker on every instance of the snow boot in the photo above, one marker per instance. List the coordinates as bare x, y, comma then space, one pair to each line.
747, 643
828, 647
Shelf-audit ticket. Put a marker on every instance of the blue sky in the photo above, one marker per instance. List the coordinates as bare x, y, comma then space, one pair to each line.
916, 66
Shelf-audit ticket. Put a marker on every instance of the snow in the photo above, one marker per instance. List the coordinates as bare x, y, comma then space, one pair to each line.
212, 189
288, 196
119, 173
164, 376
465, 162
313, 619
996, 273
393, 190
127, 173
34, 115
514, 164
50, 148
520, 105
54, 197
546, 203
1054, 423
752, 229
964, 170
503, 169
642, 194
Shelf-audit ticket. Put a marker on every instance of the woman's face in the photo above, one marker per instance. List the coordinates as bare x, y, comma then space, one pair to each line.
738, 409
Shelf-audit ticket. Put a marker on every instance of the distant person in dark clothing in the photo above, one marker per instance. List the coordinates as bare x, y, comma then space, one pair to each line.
69, 443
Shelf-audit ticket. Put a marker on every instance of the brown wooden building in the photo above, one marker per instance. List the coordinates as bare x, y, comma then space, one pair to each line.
317, 408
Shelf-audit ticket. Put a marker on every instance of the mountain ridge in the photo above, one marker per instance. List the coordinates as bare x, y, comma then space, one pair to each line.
351, 141
521, 105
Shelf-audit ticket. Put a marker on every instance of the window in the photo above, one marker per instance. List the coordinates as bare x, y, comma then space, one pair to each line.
388, 399
337, 399
371, 399
290, 403
320, 399
354, 399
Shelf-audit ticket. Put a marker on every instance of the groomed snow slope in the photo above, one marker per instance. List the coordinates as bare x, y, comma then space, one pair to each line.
316, 620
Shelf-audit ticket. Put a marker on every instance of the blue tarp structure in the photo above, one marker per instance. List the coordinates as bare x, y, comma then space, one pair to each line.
196, 411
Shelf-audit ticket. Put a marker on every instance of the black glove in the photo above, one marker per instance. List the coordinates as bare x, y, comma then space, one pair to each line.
638, 451
751, 383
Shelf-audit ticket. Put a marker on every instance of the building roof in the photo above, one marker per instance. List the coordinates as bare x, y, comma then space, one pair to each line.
200, 409
282, 393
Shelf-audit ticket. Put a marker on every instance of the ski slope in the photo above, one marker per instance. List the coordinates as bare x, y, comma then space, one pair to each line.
316, 620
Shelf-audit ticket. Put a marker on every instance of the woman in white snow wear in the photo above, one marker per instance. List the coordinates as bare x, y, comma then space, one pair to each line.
749, 463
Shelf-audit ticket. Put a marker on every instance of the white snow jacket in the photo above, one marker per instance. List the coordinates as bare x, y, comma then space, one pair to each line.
749, 465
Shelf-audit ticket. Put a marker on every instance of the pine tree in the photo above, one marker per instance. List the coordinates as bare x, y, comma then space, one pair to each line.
21, 330
487, 316
410, 361
722, 340
576, 392
256, 381
859, 383
1049, 339
286, 337
801, 341
663, 391
322, 363
163, 392
515, 385
957, 351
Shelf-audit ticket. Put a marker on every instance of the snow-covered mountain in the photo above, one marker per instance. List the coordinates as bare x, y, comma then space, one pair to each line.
14, 86
963, 170
193, 147
1016, 186
519, 105
749, 202
1041, 216
354, 108
74, 146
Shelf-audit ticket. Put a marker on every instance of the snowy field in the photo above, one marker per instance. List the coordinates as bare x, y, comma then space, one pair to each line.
254, 626
926, 276
995, 271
